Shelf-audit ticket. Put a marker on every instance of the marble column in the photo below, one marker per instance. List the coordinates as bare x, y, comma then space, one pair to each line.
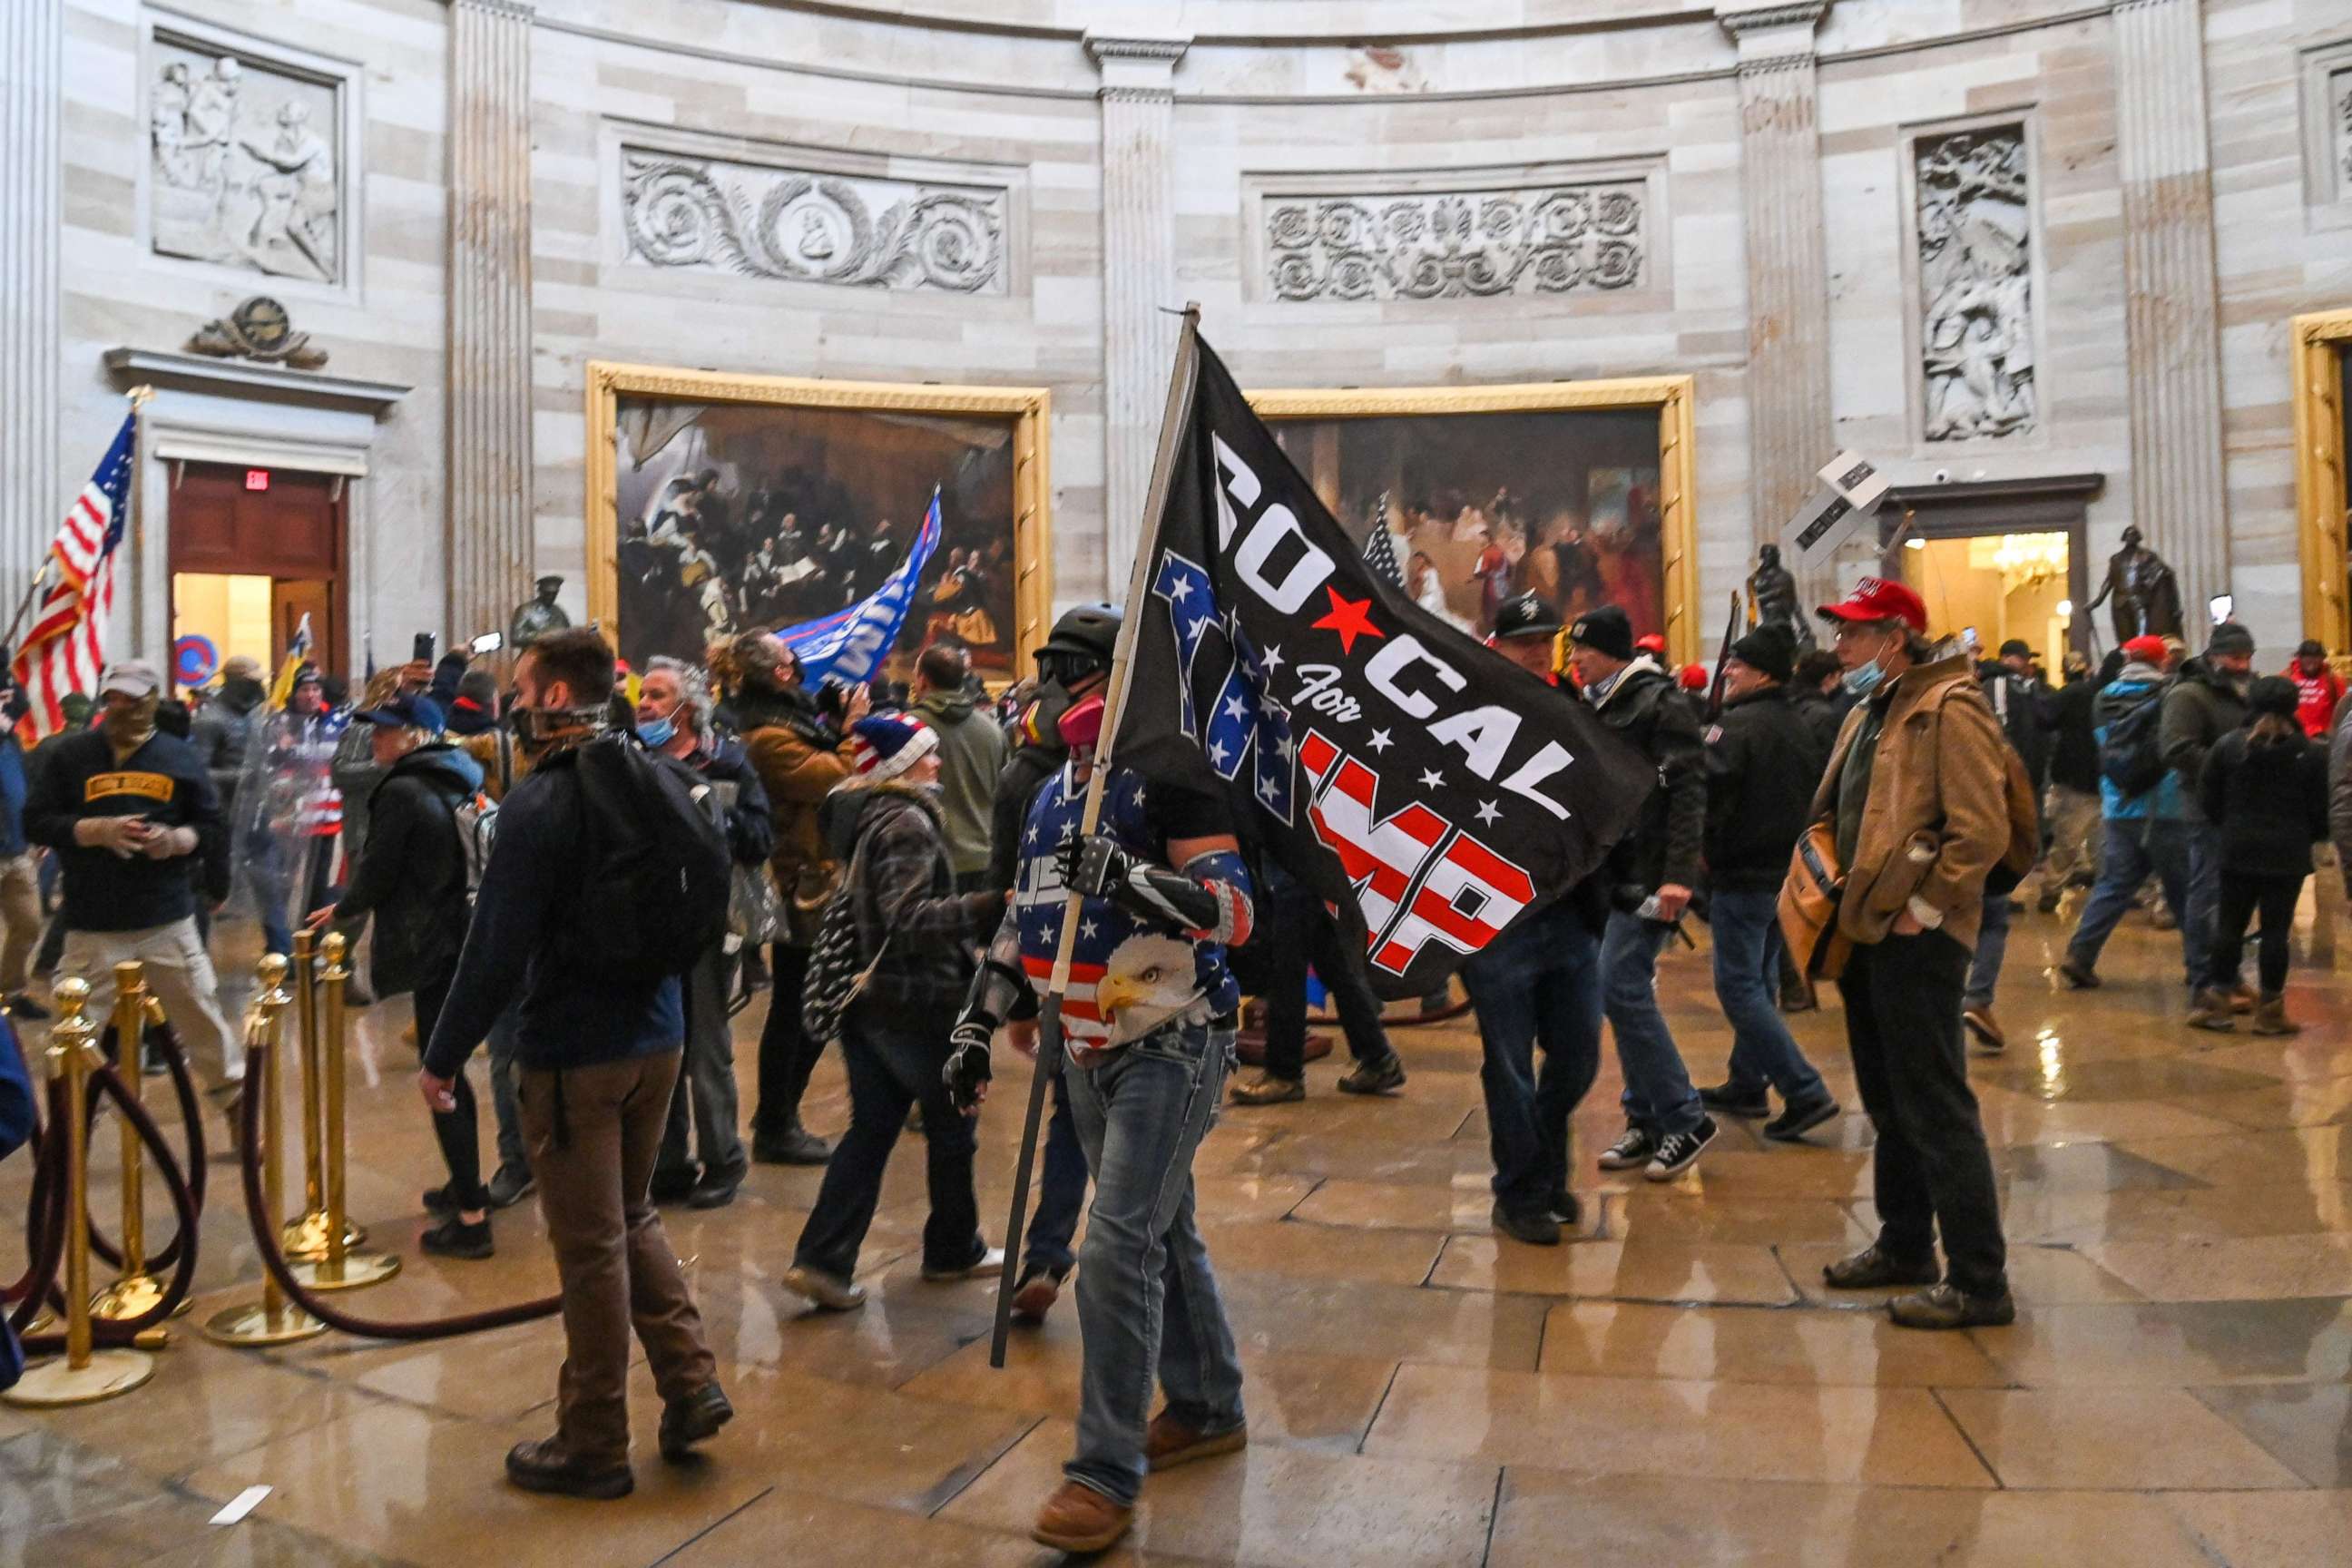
2178, 499
1790, 433
1138, 277
490, 533
32, 496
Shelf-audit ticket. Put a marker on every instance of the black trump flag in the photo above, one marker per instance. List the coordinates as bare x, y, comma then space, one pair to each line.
1427, 789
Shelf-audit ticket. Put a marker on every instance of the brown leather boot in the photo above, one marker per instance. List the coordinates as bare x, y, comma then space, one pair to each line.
1078, 1520
2270, 1016
2211, 1009
1168, 1442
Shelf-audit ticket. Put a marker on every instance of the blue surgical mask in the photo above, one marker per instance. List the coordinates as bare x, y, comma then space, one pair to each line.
1863, 679
657, 732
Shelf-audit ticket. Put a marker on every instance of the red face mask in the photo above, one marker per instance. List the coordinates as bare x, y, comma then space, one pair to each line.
1081, 727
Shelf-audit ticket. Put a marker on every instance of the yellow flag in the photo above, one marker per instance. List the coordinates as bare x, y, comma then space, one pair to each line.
298, 653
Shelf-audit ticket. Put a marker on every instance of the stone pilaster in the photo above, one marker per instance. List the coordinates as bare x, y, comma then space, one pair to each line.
1139, 276
1790, 432
2178, 498
31, 499
489, 535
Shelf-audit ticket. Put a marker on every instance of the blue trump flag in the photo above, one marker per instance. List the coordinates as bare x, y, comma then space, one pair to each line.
849, 644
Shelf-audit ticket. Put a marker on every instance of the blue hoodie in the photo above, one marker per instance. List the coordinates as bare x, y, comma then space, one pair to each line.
2134, 684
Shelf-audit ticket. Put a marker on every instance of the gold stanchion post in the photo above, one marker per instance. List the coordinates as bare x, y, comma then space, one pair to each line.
136, 1292
83, 1376
344, 1267
272, 1321
304, 1239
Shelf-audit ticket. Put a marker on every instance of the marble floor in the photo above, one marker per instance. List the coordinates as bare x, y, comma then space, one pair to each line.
1672, 1386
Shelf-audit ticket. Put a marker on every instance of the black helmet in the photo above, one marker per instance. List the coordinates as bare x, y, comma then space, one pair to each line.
1526, 617
1086, 629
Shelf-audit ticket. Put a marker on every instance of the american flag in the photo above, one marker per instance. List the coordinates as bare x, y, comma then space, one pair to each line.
65, 648
1380, 545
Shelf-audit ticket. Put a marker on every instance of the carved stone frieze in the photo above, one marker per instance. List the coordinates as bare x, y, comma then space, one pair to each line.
1453, 244
1975, 238
809, 226
246, 169
2339, 100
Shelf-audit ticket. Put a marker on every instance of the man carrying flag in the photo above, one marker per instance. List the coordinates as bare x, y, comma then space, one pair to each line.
1274, 691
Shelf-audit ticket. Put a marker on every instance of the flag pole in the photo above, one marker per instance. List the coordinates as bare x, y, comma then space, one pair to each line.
1723, 656
1181, 380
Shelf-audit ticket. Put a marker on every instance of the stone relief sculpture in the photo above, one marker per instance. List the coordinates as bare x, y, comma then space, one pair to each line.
1450, 245
810, 228
1976, 285
2341, 96
258, 329
244, 169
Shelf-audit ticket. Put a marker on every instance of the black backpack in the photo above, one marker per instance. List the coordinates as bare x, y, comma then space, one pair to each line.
2131, 754
653, 900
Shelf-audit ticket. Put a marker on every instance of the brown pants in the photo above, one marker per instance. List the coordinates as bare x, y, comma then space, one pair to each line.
611, 1253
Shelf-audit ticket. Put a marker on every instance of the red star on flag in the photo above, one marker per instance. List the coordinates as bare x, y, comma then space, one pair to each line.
1348, 619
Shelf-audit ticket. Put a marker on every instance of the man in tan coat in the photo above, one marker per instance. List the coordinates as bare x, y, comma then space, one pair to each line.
1916, 793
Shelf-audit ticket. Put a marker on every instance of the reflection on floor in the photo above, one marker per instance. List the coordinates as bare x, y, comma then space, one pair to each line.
1672, 1387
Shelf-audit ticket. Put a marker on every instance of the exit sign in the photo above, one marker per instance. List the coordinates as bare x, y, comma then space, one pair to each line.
257, 478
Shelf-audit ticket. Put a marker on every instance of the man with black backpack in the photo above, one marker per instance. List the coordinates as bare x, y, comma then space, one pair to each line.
609, 880
2141, 804
413, 875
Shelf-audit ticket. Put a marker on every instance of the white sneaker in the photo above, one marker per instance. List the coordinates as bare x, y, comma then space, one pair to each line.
1678, 1151
1633, 1150
829, 1292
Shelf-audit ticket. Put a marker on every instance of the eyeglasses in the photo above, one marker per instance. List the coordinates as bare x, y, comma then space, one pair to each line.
1847, 629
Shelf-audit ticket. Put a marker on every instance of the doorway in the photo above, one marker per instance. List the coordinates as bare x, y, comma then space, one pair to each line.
2004, 557
253, 552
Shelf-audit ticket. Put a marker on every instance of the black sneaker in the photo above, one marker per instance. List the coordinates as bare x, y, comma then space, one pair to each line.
453, 1237
23, 1006
2078, 976
1382, 1075
1733, 1099
1535, 1229
1565, 1208
1872, 1269
1947, 1306
672, 1186
542, 1467
1678, 1151
796, 1145
439, 1200
1794, 1122
687, 1421
510, 1185
1035, 1293
1633, 1150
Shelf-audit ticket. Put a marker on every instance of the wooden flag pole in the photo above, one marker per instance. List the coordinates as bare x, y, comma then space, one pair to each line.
1049, 1027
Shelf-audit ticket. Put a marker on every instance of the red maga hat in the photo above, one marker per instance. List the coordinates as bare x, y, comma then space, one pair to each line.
1876, 599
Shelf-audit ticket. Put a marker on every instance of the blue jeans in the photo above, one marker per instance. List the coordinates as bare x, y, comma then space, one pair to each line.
1061, 1187
1992, 947
2135, 849
1747, 927
1537, 984
1658, 1097
1147, 1297
2204, 908
503, 1044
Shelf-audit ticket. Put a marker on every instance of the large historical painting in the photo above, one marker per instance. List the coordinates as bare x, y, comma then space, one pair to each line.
1566, 503
245, 162
729, 515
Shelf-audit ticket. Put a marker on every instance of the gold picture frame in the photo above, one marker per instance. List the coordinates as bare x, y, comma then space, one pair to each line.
1029, 407
1672, 396
2320, 340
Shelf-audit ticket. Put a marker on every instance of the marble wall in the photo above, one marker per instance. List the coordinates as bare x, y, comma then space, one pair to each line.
709, 183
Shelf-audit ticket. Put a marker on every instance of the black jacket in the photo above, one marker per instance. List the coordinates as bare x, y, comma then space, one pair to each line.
2269, 801
894, 854
1668, 844
2073, 737
750, 824
1763, 764
2025, 707
163, 781
1029, 766
411, 874
1821, 712
2202, 706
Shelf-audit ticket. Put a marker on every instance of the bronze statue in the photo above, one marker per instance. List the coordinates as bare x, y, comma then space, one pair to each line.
2146, 593
1772, 595
542, 616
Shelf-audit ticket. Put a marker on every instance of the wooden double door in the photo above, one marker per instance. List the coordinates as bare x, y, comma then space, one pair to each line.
232, 530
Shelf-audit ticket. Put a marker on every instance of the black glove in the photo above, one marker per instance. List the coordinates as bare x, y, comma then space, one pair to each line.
967, 1065
1091, 864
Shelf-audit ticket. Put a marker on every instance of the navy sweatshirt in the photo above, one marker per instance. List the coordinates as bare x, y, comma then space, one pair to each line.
164, 781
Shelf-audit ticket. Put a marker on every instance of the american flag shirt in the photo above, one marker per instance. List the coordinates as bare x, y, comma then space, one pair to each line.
1146, 972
